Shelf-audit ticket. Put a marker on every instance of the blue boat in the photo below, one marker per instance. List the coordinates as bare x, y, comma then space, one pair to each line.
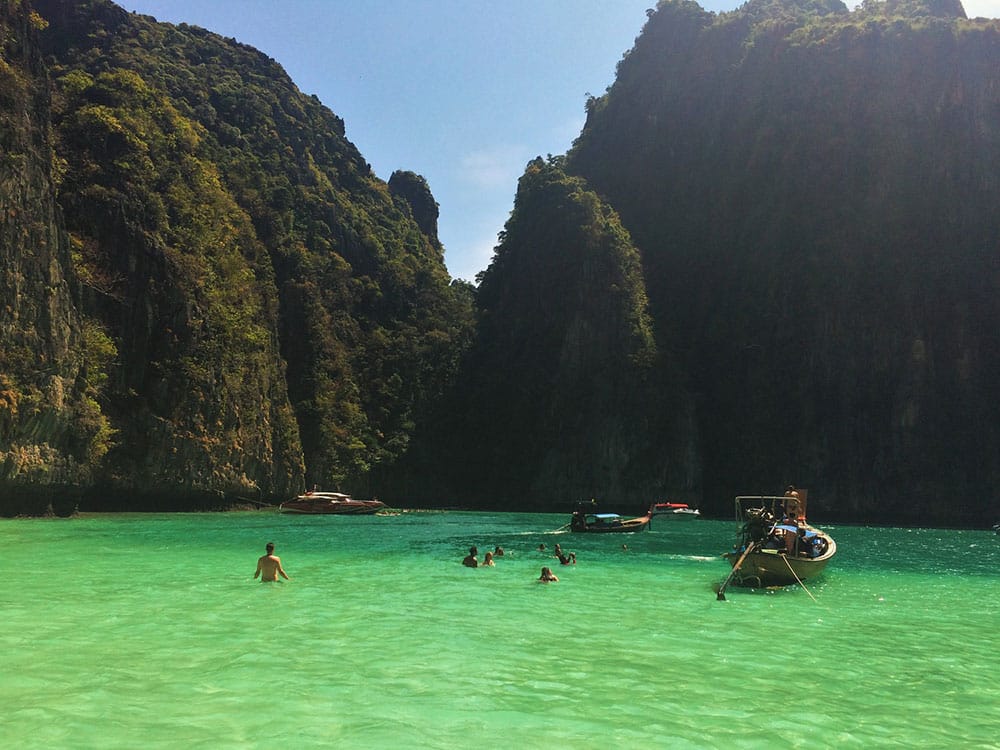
583, 522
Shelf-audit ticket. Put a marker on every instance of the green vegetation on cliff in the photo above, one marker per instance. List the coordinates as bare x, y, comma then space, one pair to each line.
53, 357
272, 313
559, 398
811, 191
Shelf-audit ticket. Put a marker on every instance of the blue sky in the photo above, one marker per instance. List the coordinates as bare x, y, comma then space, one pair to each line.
463, 92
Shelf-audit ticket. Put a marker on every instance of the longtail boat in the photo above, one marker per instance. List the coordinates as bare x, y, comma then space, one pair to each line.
607, 523
775, 545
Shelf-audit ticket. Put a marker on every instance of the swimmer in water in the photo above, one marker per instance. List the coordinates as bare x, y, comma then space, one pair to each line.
547, 575
269, 565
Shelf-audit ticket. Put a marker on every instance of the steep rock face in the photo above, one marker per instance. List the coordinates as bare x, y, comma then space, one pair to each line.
48, 420
414, 191
561, 399
223, 226
812, 198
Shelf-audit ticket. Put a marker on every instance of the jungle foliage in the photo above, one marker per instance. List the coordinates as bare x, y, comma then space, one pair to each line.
277, 315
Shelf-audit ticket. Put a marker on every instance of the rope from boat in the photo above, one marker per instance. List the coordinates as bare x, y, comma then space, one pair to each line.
790, 570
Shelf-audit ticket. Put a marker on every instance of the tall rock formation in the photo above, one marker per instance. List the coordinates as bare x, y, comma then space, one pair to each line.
813, 193
237, 305
564, 396
52, 430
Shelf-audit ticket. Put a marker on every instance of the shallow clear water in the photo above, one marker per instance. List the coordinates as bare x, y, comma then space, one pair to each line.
126, 631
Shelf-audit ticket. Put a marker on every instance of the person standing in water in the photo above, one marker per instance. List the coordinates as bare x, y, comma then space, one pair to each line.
269, 565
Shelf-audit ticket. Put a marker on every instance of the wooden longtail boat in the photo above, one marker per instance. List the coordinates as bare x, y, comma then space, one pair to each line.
776, 546
607, 523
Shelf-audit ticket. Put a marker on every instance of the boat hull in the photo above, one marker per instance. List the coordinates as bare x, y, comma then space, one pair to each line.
677, 515
632, 525
330, 504
343, 509
765, 568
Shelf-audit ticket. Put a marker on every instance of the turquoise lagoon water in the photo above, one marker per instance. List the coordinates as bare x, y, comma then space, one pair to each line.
146, 631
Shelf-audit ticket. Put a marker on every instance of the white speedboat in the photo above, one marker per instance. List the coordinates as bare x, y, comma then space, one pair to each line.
675, 510
326, 503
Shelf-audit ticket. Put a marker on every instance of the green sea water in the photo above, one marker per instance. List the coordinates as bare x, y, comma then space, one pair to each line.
147, 631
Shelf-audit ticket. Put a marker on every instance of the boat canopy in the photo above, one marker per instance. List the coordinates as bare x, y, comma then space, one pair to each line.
774, 504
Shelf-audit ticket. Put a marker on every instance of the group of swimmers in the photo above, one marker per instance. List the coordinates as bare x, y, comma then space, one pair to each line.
472, 560
269, 564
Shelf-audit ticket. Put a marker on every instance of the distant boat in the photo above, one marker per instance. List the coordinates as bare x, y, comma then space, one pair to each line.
675, 510
605, 523
330, 503
776, 547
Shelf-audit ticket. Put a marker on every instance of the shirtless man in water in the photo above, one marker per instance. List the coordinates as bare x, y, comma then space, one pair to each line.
269, 566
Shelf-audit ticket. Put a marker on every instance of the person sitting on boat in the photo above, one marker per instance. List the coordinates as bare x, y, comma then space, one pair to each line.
569, 559
488, 561
471, 561
775, 539
804, 544
547, 575
811, 546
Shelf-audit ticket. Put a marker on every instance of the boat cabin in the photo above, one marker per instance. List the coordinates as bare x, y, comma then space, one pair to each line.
595, 521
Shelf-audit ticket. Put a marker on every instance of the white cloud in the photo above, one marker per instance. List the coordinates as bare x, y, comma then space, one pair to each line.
498, 167
973, 8
984, 8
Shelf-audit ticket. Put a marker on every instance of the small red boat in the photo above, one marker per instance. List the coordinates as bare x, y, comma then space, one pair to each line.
327, 503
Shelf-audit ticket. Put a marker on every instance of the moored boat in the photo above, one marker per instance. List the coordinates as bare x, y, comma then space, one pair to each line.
606, 523
675, 510
776, 546
330, 503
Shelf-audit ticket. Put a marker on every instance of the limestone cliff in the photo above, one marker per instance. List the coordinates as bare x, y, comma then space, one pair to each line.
51, 427
234, 306
813, 195
564, 395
